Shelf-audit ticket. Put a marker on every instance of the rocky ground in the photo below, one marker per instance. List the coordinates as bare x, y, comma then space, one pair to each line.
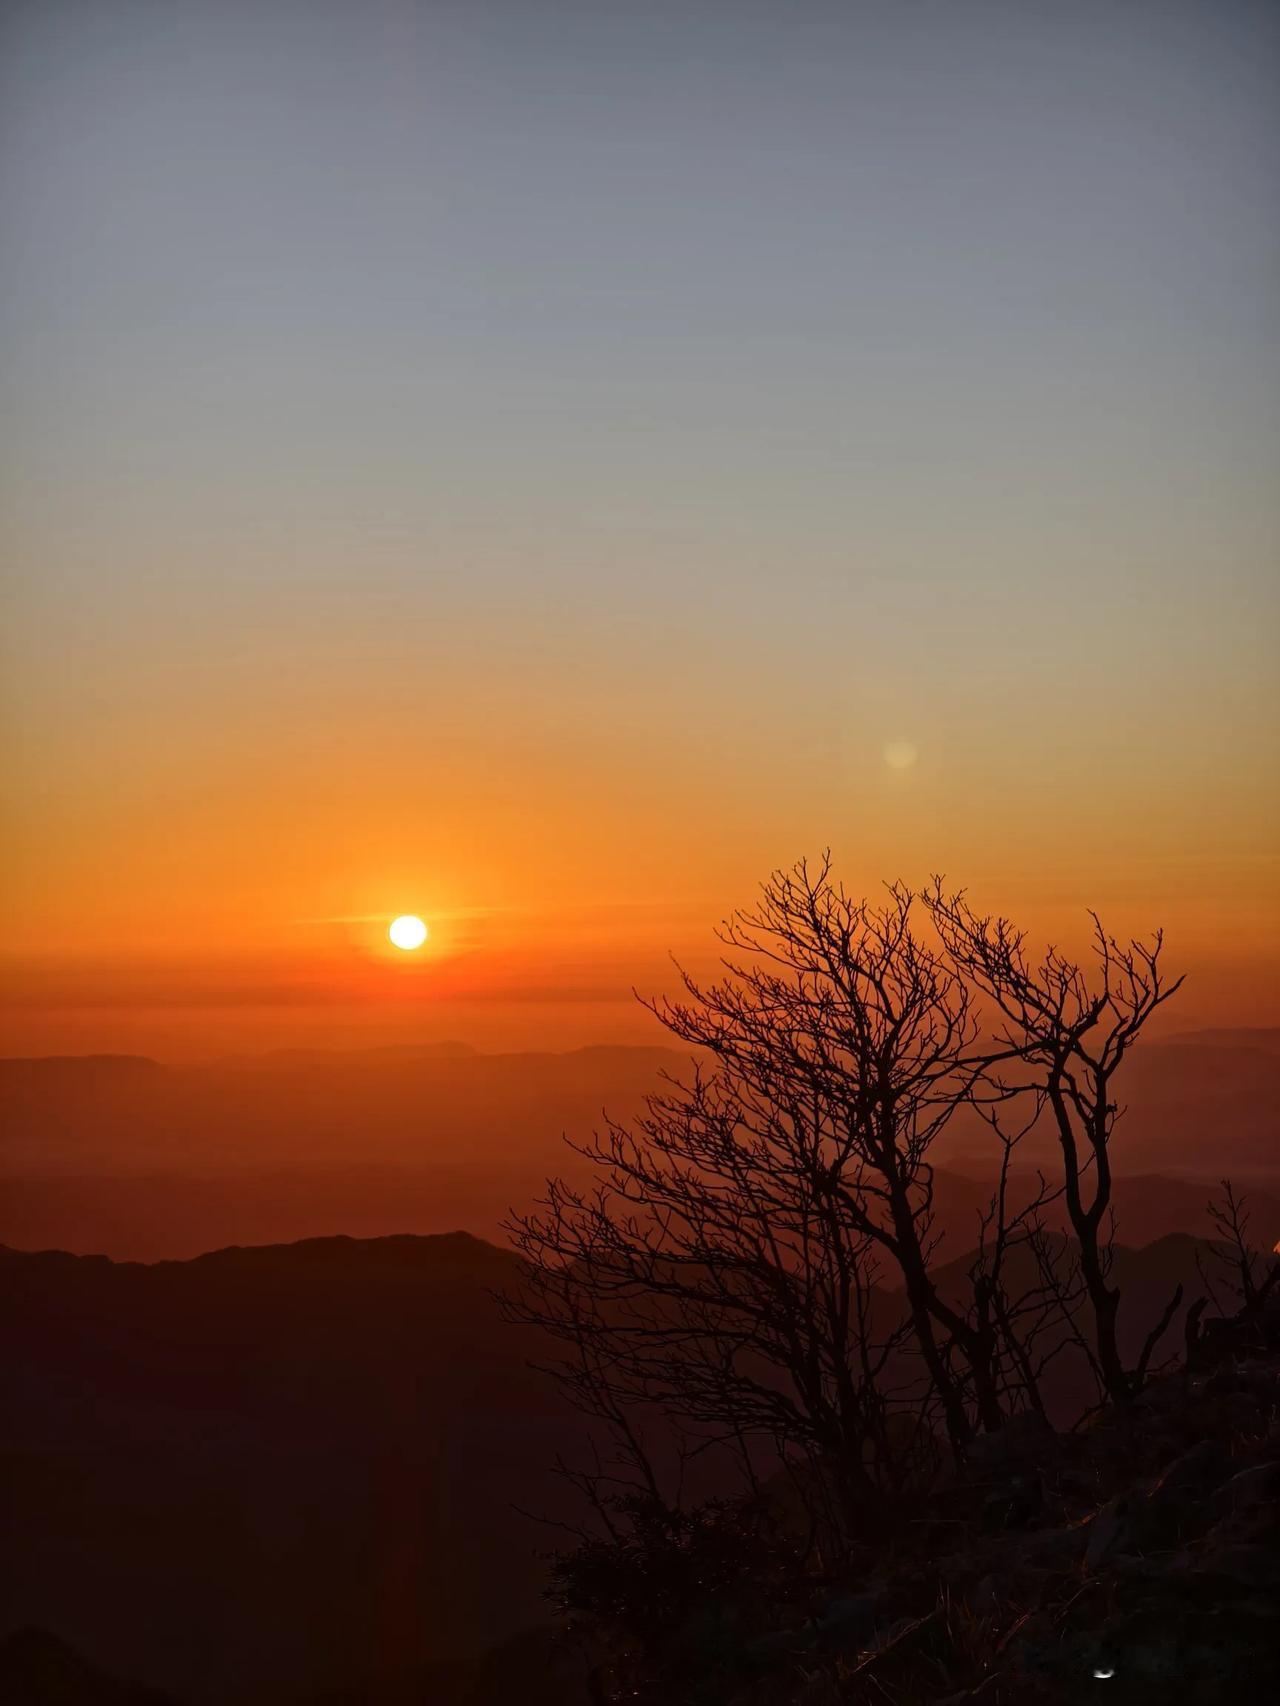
1138, 1556
1141, 1553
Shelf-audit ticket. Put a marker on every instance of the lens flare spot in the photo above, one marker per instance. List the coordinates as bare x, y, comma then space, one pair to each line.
900, 754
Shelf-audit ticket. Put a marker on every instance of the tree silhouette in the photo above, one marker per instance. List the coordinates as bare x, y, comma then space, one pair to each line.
756, 1261
1073, 1034
1237, 1261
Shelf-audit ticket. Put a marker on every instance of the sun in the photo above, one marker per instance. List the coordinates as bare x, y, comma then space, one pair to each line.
408, 932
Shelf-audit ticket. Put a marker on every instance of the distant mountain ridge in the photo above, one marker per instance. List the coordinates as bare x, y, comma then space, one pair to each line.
128, 1156
1266, 1037
1241, 1036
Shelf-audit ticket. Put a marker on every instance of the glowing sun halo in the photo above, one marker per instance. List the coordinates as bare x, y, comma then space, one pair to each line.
408, 932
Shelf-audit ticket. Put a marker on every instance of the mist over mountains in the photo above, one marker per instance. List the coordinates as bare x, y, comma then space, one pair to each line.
123, 1156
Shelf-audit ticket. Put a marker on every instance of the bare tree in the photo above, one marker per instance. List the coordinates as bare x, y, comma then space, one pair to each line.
733, 1265
1236, 1259
1072, 1031
705, 1281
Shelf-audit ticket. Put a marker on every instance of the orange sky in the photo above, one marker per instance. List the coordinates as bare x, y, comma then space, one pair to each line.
432, 484
236, 928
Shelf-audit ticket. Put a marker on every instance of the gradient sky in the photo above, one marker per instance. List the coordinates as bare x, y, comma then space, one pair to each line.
529, 463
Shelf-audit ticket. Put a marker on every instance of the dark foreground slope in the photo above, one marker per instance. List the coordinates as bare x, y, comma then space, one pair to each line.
272, 1471
39, 1669
288, 1473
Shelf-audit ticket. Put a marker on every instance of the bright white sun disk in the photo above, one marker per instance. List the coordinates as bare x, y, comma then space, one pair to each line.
408, 932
